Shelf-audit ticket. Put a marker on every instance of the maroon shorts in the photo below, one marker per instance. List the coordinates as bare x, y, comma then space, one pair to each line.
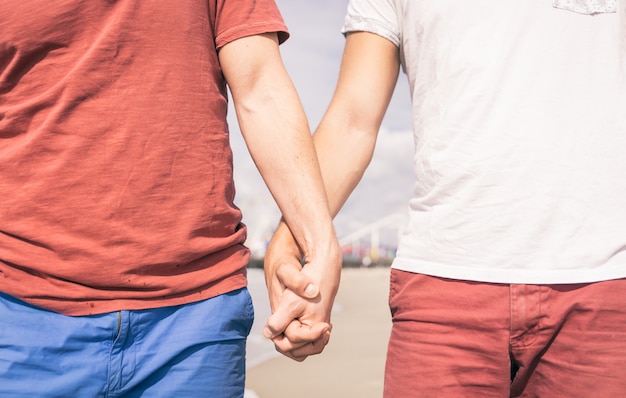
454, 338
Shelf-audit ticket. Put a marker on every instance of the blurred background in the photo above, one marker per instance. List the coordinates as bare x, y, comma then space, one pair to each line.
312, 56
352, 365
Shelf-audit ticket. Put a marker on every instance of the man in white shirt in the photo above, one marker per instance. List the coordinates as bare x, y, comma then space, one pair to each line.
510, 277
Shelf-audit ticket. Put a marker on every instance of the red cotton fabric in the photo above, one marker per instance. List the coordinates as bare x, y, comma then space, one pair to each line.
453, 338
116, 181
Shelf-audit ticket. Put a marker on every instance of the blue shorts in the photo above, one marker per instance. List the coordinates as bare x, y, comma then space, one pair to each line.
193, 350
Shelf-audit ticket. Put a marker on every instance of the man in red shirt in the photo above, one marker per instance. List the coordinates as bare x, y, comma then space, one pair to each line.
122, 257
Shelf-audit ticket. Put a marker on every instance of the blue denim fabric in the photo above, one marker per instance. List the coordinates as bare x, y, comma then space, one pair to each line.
193, 350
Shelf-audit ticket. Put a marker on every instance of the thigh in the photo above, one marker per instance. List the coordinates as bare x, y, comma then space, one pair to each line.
584, 355
45, 354
449, 338
195, 350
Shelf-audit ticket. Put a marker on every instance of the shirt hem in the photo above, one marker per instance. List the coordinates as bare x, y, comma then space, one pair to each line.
231, 283
533, 276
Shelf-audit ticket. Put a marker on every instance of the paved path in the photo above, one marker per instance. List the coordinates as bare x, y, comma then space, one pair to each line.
351, 366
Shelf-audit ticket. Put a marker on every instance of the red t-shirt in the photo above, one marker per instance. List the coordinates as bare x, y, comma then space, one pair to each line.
116, 187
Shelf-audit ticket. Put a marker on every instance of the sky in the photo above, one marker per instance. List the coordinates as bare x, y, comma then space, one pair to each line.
312, 56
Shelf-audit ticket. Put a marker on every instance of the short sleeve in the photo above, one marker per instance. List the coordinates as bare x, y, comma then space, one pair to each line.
374, 16
240, 18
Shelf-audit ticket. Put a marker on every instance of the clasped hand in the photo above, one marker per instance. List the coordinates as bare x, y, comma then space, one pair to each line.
301, 298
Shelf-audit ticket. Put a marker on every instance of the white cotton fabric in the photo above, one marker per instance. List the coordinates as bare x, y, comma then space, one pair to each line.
586, 6
520, 138
621, 11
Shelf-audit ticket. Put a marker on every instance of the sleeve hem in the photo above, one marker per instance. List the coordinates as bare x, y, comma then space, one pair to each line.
360, 24
250, 30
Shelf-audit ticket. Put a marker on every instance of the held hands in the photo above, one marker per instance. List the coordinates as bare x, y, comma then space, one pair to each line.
301, 298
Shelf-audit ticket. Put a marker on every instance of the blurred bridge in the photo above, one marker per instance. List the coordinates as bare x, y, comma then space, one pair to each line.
367, 245
372, 244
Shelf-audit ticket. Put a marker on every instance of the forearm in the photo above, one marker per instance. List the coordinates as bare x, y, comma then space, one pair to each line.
276, 132
344, 154
346, 137
343, 159
277, 135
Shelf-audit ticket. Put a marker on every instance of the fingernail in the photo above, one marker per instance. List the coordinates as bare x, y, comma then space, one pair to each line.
311, 290
267, 332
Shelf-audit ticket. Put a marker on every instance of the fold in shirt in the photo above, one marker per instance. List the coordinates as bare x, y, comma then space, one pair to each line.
587, 6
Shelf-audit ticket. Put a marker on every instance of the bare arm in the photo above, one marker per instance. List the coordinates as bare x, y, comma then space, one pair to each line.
277, 135
344, 141
346, 137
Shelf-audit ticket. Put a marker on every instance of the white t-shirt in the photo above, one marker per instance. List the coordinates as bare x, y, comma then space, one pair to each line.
519, 116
